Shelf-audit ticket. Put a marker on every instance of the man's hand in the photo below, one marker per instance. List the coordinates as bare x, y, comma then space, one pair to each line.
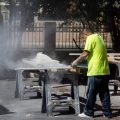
82, 57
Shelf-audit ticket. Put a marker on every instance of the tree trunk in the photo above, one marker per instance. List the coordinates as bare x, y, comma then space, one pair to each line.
114, 27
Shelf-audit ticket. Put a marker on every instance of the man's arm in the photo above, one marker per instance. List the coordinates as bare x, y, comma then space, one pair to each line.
82, 57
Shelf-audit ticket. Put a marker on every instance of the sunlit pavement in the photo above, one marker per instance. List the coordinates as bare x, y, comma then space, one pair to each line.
12, 108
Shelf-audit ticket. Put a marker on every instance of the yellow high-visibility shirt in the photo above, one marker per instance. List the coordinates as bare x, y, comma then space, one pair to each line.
97, 58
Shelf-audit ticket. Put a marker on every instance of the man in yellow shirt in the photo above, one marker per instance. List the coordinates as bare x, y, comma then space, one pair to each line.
98, 73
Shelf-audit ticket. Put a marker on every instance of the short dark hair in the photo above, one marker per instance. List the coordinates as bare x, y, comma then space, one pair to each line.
90, 28
87, 29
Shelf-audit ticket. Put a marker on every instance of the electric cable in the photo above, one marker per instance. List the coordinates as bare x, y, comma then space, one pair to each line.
80, 51
77, 45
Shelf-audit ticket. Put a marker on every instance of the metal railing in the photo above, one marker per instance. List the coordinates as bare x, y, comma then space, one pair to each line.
33, 37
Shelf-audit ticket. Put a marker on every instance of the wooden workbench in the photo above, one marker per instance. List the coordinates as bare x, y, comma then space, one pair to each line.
47, 103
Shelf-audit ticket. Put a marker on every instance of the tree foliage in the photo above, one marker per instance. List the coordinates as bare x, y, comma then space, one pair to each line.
90, 12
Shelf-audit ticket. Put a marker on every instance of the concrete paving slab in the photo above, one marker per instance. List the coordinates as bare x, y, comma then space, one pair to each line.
30, 108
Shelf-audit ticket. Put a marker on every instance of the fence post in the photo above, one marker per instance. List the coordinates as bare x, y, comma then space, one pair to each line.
50, 38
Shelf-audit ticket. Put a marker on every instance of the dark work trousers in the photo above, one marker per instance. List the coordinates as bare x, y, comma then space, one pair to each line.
98, 85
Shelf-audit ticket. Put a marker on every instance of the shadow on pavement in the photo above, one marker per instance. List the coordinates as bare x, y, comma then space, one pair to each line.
4, 110
115, 112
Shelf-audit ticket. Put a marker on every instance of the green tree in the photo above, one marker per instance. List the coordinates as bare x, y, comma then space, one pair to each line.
90, 12
95, 12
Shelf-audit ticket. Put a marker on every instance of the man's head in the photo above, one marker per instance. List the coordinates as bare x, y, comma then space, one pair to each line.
87, 32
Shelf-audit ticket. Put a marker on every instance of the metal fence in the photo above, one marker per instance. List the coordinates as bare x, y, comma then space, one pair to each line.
65, 35
33, 37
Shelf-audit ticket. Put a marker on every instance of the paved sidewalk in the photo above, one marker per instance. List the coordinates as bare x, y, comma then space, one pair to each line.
30, 108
